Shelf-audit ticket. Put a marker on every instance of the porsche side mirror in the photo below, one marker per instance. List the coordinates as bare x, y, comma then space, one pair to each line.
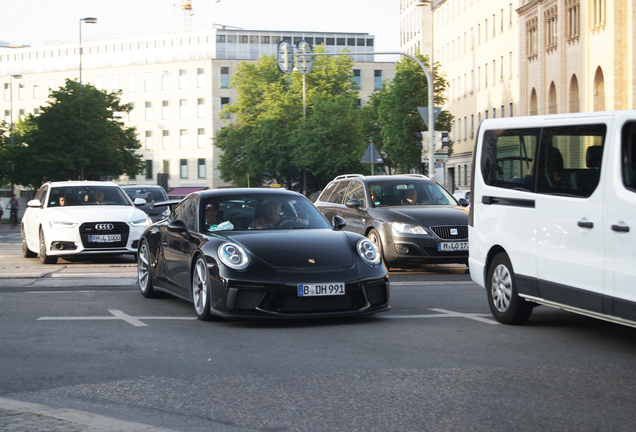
139, 202
353, 203
464, 202
338, 222
178, 225
34, 203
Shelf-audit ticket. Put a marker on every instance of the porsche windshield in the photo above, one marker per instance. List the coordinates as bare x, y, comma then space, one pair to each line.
259, 211
87, 195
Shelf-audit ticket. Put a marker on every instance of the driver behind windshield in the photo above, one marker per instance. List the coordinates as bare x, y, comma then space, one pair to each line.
271, 212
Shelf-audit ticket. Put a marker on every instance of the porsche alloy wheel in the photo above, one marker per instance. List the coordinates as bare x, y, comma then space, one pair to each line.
201, 290
44, 258
144, 271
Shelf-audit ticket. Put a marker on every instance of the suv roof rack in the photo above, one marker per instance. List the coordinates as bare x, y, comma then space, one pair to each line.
345, 176
415, 175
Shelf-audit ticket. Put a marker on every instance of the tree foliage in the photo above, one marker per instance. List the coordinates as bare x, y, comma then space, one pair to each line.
76, 136
398, 116
270, 140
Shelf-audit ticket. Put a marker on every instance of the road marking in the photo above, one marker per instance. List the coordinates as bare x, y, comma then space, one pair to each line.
443, 313
117, 315
428, 283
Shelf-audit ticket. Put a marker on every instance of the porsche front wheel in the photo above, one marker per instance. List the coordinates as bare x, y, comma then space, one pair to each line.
201, 290
144, 271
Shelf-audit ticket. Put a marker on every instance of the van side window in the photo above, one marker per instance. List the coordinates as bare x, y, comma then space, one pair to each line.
507, 158
570, 160
628, 156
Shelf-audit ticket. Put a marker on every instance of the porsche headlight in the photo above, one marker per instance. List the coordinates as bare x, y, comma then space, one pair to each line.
61, 224
233, 256
141, 222
403, 228
369, 252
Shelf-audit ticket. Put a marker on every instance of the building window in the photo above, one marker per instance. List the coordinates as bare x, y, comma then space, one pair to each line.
165, 110
21, 91
377, 80
472, 126
551, 28
225, 77
7, 116
201, 168
510, 106
36, 112
532, 42
183, 79
201, 137
574, 20
148, 169
148, 141
132, 114
165, 80
183, 108
200, 108
165, 140
183, 168
148, 113
148, 82
224, 102
356, 78
465, 128
183, 138
200, 78
36, 90
166, 166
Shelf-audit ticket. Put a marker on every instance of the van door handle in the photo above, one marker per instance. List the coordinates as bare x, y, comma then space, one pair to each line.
620, 228
583, 224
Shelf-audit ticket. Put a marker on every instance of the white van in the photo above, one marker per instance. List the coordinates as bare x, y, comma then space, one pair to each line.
553, 215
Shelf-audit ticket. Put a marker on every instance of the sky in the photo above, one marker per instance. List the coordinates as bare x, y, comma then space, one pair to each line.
33, 22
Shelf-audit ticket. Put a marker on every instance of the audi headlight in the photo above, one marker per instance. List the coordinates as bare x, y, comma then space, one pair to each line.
141, 222
61, 224
369, 252
403, 228
234, 256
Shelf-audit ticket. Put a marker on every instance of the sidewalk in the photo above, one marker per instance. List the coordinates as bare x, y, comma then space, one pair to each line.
20, 416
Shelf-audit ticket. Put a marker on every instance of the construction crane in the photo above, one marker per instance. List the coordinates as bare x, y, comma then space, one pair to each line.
186, 7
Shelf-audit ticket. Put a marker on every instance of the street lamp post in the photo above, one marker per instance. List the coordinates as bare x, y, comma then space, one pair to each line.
11, 113
88, 20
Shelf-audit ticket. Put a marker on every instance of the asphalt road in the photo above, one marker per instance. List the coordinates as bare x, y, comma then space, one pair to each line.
78, 336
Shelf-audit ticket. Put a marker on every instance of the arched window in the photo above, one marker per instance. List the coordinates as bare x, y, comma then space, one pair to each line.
552, 99
599, 90
533, 103
573, 104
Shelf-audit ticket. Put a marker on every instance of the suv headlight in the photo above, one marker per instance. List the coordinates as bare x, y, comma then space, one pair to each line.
368, 252
234, 256
61, 224
403, 228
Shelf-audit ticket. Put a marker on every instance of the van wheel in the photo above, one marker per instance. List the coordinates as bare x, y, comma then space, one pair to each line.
504, 301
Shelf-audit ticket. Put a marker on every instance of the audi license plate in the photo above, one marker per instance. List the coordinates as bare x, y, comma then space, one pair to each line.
452, 246
325, 289
105, 238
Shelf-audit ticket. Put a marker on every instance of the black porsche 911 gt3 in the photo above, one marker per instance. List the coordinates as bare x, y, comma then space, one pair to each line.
260, 253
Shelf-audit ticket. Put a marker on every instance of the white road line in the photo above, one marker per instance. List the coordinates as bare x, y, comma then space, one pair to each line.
443, 313
428, 283
117, 315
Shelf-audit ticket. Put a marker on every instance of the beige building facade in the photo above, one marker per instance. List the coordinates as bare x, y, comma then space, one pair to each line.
177, 82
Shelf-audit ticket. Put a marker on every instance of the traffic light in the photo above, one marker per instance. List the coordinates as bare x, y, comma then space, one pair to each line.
419, 136
285, 57
422, 144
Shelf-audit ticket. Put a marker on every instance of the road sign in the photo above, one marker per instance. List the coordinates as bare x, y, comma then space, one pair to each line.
371, 155
424, 113
304, 60
285, 57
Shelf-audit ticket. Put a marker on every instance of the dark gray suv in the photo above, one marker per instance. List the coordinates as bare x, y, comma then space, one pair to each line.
411, 219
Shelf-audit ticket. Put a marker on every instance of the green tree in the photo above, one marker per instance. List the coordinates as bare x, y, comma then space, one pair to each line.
76, 137
398, 116
5, 159
263, 141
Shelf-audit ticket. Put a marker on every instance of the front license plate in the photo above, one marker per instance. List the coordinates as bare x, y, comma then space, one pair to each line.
325, 289
452, 246
107, 238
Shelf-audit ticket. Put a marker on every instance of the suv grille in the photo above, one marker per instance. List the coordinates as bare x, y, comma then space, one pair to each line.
87, 229
444, 232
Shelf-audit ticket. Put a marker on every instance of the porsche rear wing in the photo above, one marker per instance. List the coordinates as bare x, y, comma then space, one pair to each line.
170, 203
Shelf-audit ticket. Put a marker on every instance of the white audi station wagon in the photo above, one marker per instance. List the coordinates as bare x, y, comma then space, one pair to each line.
81, 217
553, 215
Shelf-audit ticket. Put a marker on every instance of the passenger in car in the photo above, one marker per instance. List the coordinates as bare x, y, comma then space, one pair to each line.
99, 196
211, 216
271, 211
62, 200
